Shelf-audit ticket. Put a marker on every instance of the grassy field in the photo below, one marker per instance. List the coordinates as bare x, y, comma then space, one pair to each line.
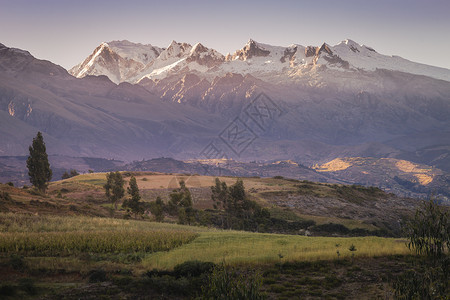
76, 257
63, 236
254, 248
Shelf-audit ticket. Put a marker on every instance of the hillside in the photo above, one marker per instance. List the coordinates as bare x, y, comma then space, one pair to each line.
390, 174
288, 200
401, 177
92, 254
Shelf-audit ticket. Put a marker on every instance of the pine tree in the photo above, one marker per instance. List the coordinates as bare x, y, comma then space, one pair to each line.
114, 187
157, 209
133, 203
181, 203
38, 165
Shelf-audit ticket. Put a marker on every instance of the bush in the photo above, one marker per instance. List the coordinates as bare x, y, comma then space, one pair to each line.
331, 228
17, 262
5, 196
193, 268
10, 183
429, 235
97, 276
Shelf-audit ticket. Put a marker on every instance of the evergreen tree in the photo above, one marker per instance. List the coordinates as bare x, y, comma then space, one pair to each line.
38, 165
181, 203
133, 203
220, 195
157, 209
114, 187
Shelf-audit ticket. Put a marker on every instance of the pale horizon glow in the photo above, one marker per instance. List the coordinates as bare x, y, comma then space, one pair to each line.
66, 32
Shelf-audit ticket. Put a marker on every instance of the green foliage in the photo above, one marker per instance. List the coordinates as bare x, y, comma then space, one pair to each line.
37, 163
429, 235
431, 283
134, 203
220, 194
227, 283
97, 276
157, 209
429, 231
17, 262
241, 213
114, 187
180, 203
193, 268
71, 173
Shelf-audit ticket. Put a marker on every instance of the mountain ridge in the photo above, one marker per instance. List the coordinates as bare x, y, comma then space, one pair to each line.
289, 62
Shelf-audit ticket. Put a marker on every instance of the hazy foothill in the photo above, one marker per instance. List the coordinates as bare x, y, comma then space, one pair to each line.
178, 172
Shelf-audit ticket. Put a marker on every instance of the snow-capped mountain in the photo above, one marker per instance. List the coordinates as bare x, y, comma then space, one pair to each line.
336, 101
128, 62
182, 58
119, 60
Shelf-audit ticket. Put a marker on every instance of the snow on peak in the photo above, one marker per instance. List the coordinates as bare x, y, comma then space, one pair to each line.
198, 48
135, 51
128, 61
175, 50
205, 56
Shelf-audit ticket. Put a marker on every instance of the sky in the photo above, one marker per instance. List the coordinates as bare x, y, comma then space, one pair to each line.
67, 31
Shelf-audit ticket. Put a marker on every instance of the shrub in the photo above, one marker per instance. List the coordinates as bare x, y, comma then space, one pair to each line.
193, 268
97, 276
17, 262
5, 196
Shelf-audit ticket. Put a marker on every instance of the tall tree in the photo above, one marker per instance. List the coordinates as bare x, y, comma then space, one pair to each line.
220, 195
38, 165
114, 187
157, 209
133, 203
181, 203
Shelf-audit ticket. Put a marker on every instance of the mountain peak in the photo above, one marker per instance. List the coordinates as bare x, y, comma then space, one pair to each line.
350, 42
176, 49
251, 49
205, 56
198, 48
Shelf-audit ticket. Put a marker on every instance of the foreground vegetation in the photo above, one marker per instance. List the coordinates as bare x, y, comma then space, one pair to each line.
78, 250
49, 246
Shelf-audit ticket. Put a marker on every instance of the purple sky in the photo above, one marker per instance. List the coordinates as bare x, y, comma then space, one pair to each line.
67, 31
